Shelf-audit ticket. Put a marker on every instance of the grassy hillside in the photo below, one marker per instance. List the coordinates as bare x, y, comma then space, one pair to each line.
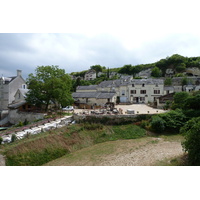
44, 147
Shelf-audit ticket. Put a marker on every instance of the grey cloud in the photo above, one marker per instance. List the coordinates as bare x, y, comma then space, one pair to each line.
77, 52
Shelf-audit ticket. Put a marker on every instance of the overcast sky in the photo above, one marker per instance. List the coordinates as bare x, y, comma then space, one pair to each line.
78, 34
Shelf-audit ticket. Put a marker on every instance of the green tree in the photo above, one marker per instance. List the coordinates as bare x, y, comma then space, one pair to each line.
179, 100
191, 132
97, 68
156, 72
157, 124
181, 67
168, 81
49, 85
126, 69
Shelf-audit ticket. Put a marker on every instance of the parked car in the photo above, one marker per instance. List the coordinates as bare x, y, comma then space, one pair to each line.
68, 108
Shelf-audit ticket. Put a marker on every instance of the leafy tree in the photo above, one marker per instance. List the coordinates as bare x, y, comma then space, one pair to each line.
174, 120
157, 124
181, 67
191, 131
97, 68
156, 72
49, 85
126, 69
184, 81
168, 81
193, 102
179, 100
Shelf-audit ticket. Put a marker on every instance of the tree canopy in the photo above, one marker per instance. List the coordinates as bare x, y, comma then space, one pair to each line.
49, 85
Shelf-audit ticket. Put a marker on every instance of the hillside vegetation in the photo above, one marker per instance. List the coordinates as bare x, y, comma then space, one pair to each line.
44, 147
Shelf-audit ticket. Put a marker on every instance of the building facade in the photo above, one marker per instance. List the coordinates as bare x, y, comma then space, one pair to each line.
125, 90
8, 89
90, 75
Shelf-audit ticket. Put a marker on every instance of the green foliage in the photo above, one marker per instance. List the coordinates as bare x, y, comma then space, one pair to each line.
93, 126
179, 100
97, 68
39, 150
1, 140
157, 124
167, 105
169, 122
168, 81
191, 131
184, 81
35, 158
193, 102
174, 120
156, 72
13, 138
181, 67
49, 85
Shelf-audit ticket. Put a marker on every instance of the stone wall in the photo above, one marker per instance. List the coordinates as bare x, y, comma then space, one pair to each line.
15, 116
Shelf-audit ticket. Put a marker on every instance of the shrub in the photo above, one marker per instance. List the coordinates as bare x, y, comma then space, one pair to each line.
174, 119
157, 124
191, 131
1, 140
13, 138
92, 126
179, 100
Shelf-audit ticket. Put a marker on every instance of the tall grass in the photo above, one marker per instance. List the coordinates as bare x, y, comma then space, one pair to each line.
41, 149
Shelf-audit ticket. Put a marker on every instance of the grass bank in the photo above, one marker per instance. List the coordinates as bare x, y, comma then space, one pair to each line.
44, 147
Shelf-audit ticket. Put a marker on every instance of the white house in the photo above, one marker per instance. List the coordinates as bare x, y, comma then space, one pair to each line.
90, 75
8, 89
125, 90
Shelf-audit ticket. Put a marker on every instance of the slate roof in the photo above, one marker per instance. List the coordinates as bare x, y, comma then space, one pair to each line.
128, 80
87, 87
98, 95
16, 105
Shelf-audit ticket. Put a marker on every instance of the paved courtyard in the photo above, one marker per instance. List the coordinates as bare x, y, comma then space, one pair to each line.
138, 109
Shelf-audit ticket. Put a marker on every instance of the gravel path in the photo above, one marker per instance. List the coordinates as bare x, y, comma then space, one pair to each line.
2, 160
147, 155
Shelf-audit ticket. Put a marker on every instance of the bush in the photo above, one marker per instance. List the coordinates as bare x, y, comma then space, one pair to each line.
191, 131
179, 100
13, 138
174, 120
1, 140
157, 124
93, 126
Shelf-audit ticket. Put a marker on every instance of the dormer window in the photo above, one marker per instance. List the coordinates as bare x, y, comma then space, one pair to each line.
143, 85
133, 85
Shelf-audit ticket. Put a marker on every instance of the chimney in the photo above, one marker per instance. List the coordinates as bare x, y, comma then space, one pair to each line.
19, 72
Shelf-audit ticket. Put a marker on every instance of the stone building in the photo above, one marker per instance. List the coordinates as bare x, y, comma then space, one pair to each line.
9, 87
125, 91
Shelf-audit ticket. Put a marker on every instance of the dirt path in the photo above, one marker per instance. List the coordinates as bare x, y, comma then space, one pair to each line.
2, 160
147, 155
138, 152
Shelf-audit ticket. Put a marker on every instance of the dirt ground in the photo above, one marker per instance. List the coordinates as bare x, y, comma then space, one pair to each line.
148, 151
147, 155
2, 160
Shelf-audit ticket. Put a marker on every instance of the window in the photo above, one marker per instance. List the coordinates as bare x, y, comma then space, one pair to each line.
156, 91
24, 86
143, 85
123, 92
142, 99
133, 91
133, 85
156, 84
142, 91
